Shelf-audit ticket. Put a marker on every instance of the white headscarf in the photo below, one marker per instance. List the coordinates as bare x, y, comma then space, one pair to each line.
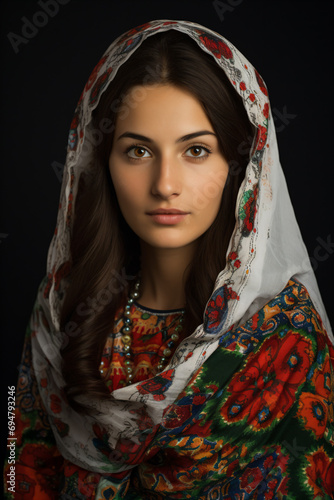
265, 251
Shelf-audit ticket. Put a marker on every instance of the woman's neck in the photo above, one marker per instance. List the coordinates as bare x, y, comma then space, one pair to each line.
164, 272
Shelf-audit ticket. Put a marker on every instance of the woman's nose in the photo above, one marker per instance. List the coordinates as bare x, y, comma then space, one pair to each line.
166, 177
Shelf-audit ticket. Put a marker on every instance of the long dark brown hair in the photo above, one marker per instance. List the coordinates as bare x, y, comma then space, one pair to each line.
105, 253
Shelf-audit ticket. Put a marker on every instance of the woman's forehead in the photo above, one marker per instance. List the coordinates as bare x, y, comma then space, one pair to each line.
159, 107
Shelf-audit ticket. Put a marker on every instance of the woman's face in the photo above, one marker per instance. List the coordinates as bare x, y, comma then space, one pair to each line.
166, 166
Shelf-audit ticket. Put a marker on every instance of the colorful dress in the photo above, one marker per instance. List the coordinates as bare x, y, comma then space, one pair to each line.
151, 334
255, 421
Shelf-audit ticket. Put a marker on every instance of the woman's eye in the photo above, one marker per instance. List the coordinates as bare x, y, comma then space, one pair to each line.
198, 152
137, 152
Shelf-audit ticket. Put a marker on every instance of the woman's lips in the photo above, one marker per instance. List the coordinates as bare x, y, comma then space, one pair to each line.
168, 216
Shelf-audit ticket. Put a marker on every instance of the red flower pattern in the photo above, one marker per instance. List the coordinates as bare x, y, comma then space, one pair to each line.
55, 404
314, 408
266, 110
320, 473
214, 314
39, 459
177, 415
265, 389
250, 479
199, 400
261, 83
314, 412
25, 489
157, 385
61, 427
217, 47
98, 86
261, 137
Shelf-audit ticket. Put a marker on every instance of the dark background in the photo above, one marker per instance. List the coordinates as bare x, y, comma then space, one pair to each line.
288, 42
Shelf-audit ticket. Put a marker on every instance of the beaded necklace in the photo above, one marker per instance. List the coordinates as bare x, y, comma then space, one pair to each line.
127, 338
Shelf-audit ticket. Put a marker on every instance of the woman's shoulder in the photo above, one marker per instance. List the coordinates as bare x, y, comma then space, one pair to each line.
288, 317
293, 306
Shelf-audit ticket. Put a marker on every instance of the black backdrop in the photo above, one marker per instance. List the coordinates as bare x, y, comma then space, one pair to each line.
44, 72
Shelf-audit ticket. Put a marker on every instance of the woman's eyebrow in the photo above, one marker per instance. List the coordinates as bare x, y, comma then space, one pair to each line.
184, 138
195, 134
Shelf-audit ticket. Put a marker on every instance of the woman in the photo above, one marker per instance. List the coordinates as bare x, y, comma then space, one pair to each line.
179, 347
